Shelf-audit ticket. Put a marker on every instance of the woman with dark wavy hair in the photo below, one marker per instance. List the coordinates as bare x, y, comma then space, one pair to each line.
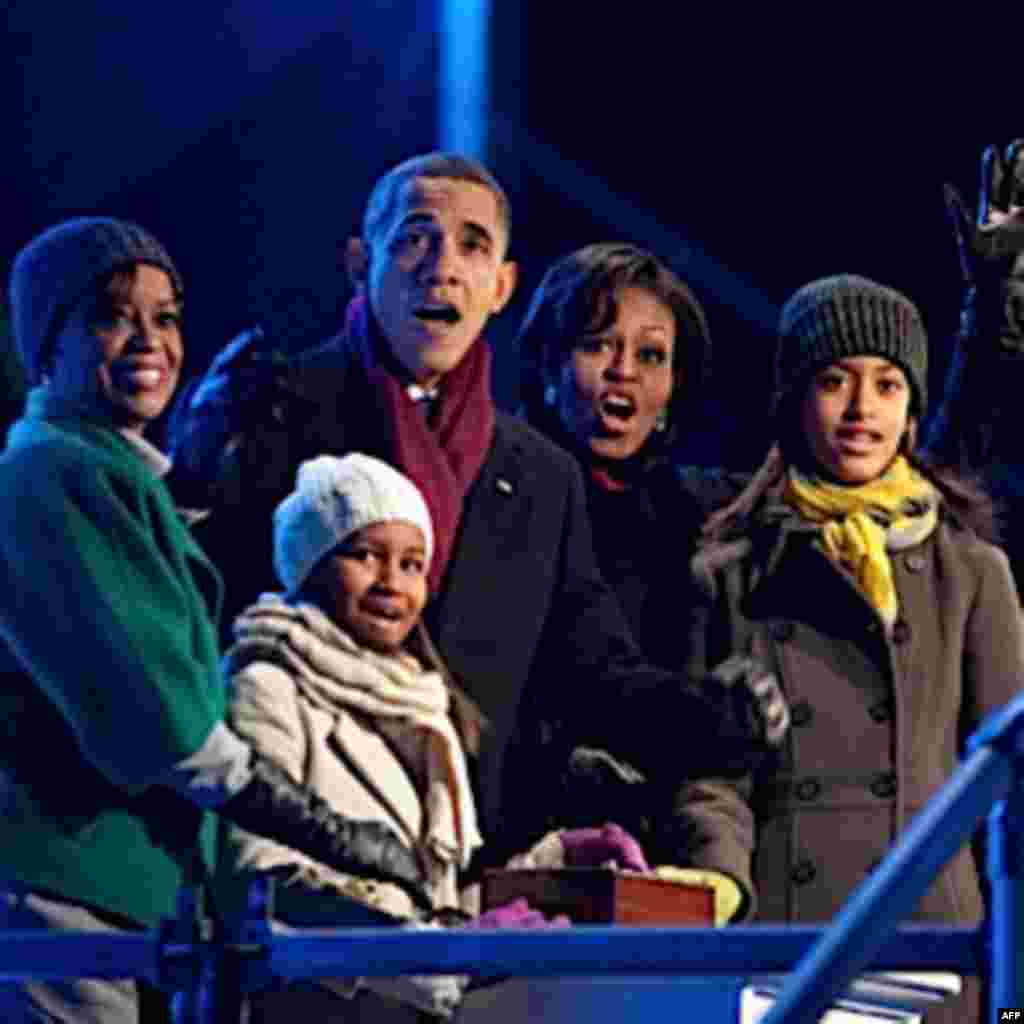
616, 350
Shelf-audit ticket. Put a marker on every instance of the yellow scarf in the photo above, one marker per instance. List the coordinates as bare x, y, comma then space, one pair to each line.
860, 523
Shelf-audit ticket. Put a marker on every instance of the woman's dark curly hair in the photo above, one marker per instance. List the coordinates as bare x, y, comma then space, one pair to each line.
576, 298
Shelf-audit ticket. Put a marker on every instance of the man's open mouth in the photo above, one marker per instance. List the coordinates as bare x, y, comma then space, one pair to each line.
439, 313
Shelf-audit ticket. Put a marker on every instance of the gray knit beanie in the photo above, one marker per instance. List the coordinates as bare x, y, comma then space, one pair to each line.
58, 268
839, 317
335, 497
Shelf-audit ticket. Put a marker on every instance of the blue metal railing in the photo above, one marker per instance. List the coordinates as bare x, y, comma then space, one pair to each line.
990, 778
207, 974
385, 952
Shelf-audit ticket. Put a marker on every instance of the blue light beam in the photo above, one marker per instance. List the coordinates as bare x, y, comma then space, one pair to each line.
464, 92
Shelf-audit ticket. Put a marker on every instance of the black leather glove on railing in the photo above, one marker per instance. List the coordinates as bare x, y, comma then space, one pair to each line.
273, 805
989, 245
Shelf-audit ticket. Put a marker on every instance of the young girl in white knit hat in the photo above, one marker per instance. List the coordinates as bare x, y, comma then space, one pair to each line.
325, 682
324, 677
337, 682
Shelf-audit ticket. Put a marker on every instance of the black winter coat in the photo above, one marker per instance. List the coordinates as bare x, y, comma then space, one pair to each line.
523, 618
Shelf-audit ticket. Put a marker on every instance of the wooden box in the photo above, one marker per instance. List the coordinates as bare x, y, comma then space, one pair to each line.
603, 896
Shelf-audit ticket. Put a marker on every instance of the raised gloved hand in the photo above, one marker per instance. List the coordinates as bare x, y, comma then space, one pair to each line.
244, 384
592, 847
273, 805
756, 696
244, 373
517, 914
989, 245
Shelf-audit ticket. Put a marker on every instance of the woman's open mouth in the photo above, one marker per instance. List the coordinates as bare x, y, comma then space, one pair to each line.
617, 408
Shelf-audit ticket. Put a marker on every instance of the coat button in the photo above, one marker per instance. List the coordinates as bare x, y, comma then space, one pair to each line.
801, 713
807, 789
803, 872
900, 632
884, 785
782, 632
881, 712
915, 562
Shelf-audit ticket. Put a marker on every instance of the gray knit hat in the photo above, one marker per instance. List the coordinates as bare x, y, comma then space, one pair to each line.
842, 316
333, 498
59, 267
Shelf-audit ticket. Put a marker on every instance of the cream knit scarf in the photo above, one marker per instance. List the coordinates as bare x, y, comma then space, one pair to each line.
332, 671
860, 525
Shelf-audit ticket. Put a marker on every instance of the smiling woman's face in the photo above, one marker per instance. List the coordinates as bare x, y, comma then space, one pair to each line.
120, 353
614, 385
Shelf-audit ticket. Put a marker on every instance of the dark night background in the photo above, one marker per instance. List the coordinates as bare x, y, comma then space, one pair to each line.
751, 151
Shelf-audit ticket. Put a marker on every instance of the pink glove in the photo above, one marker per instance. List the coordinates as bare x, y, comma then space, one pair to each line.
591, 847
517, 914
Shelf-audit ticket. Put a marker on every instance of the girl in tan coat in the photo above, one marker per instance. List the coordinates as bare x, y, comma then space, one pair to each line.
866, 580
337, 683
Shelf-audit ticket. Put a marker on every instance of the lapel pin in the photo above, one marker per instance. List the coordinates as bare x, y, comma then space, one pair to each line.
503, 485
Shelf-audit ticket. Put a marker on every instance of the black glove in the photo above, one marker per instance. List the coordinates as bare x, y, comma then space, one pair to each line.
274, 806
245, 384
600, 788
755, 695
989, 244
245, 374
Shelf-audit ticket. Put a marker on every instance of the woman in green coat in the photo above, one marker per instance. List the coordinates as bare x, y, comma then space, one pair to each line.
114, 745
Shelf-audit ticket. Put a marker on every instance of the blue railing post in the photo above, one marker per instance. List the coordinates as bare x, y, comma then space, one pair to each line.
1004, 732
181, 969
990, 777
1006, 874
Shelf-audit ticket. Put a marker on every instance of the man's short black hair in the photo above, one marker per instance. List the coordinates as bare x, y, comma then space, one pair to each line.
381, 204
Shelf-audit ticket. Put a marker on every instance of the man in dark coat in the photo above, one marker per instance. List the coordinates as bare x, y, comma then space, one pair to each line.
519, 610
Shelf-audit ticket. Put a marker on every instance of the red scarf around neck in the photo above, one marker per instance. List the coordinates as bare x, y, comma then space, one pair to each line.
445, 461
